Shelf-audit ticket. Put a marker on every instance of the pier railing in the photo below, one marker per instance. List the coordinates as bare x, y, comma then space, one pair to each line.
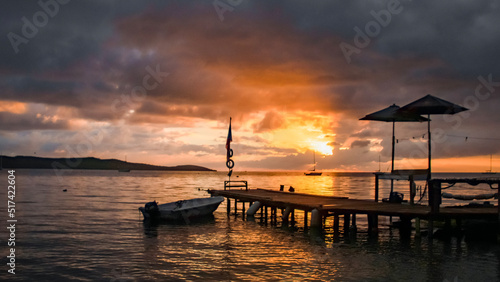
435, 189
235, 184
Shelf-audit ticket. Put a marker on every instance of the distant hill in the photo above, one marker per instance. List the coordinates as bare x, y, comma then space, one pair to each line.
88, 163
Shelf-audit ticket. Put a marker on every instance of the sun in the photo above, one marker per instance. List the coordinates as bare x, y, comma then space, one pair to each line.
322, 147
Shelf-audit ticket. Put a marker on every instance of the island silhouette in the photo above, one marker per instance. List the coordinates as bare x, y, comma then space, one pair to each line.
30, 162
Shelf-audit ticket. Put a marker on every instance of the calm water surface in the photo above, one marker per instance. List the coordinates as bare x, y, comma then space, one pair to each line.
94, 232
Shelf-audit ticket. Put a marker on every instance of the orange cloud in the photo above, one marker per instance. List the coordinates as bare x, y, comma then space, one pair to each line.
13, 107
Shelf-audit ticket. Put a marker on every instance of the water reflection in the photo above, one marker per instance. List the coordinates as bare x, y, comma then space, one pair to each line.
94, 232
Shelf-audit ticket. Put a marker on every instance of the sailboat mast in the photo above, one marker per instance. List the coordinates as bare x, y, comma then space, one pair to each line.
314, 160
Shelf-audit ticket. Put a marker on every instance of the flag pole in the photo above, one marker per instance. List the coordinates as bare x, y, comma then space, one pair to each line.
229, 154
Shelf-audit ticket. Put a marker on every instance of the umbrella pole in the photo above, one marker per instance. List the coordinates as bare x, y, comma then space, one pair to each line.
393, 146
429, 133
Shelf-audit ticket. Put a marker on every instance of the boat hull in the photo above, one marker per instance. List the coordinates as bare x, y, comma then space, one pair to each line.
183, 210
313, 173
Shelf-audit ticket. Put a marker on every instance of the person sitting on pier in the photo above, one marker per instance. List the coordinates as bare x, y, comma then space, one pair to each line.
291, 189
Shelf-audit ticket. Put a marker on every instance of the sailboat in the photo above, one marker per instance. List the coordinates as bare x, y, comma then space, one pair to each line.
490, 171
313, 172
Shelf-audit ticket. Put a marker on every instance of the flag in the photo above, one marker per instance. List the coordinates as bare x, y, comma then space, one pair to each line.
229, 138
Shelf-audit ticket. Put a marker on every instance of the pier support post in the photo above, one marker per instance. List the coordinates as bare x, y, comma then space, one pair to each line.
335, 224
347, 219
235, 207
305, 220
413, 190
228, 206
316, 220
405, 227
265, 214
434, 195
372, 223
353, 224
430, 228
273, 216
417, 227
376, 187
243, 210
286, 214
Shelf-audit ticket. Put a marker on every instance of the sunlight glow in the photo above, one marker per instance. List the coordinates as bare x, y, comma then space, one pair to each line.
12, 107
303, 131
322, 147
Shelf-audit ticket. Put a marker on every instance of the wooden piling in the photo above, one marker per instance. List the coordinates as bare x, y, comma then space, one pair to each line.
265, 214
417, 227
305, 220
236, 207
336, 224
347, 219
430, 228
372, 223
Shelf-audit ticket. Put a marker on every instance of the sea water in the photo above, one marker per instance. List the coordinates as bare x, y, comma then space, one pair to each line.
93, 231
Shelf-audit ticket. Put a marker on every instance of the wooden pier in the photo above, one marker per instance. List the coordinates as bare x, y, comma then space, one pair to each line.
322, 207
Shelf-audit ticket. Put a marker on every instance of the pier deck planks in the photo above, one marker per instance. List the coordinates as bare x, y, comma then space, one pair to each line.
340, 205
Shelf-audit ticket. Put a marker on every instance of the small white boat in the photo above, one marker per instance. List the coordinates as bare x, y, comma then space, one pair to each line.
183, 210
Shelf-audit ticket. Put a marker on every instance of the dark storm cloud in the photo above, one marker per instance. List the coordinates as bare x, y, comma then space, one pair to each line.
19, 122
464, 36
264, 57
360, 143
191, 42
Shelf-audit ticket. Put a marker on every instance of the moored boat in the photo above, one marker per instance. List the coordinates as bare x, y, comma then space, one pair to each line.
181, 210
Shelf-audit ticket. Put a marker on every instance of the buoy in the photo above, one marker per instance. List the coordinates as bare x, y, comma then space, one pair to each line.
64, 190
253, 208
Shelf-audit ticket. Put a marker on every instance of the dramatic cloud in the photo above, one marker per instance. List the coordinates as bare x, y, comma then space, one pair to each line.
158, 80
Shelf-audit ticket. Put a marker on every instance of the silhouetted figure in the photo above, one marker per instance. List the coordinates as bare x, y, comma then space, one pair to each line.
282, 188
291, 189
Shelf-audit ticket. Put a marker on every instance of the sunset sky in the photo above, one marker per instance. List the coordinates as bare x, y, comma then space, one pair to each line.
157, 81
